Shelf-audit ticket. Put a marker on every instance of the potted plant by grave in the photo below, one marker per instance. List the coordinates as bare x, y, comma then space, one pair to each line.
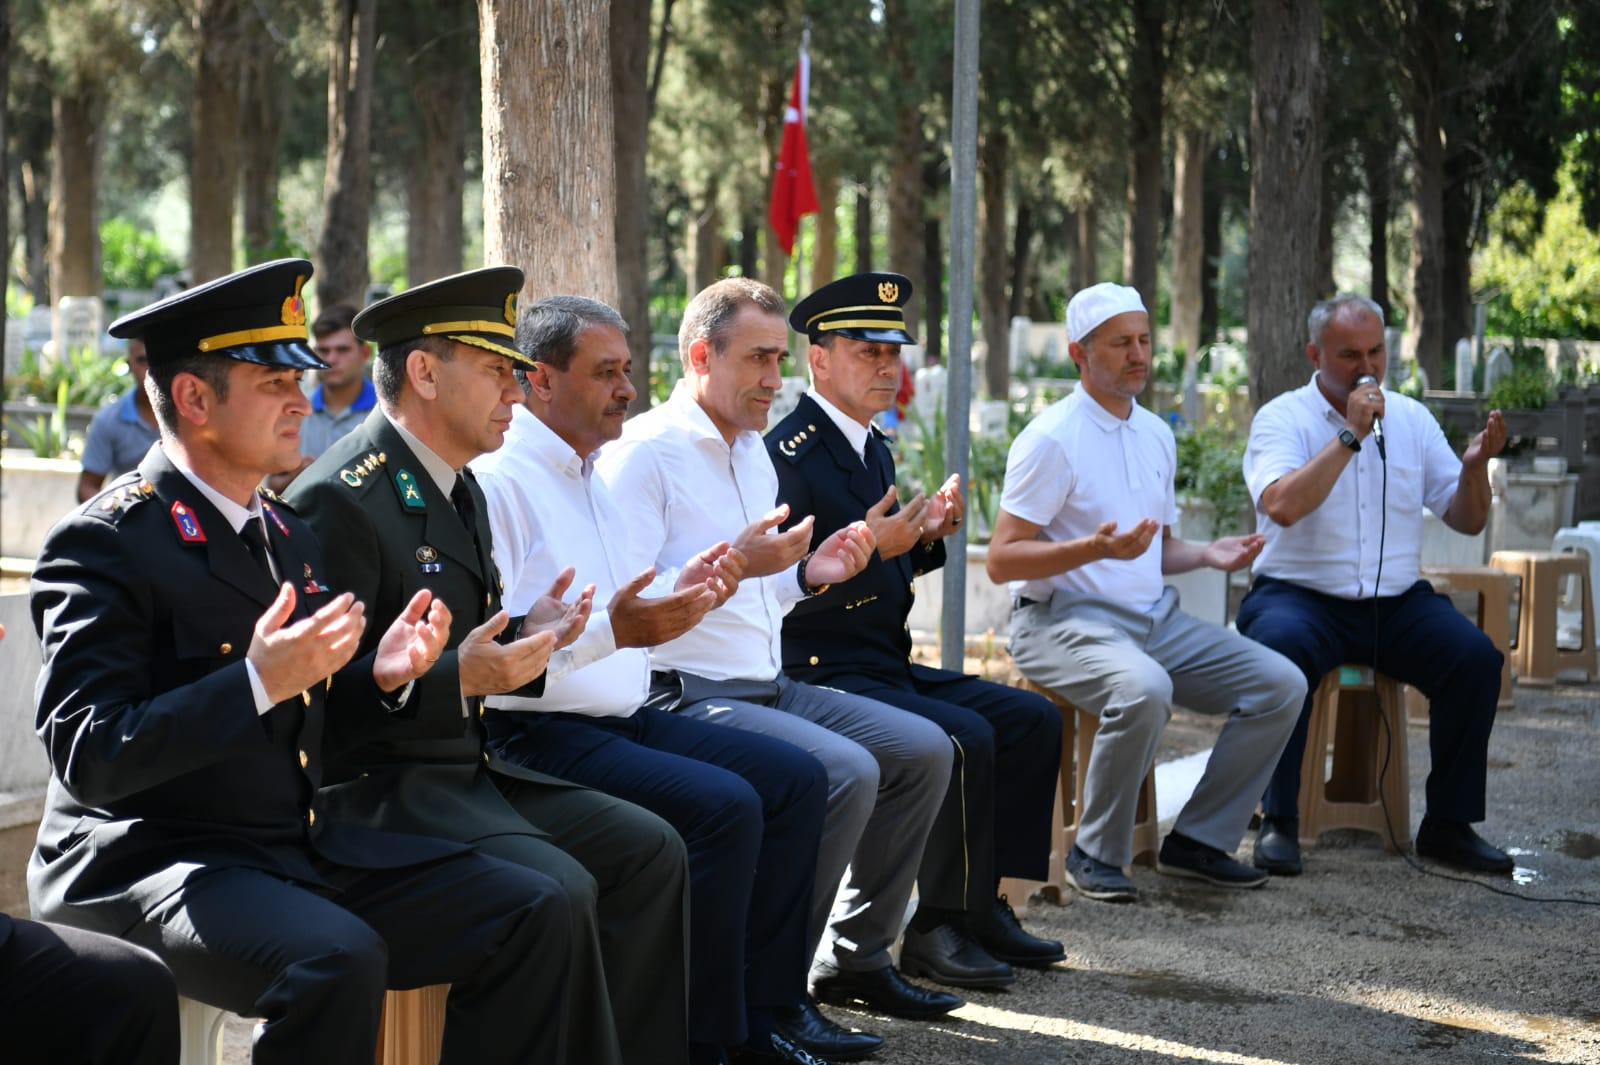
1212, 498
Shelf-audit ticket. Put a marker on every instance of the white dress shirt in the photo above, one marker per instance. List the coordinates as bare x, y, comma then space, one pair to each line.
682, 489
1077, 466
548, 511
1335, 548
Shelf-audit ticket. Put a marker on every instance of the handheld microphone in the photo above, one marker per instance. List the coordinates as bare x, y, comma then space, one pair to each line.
1377, 423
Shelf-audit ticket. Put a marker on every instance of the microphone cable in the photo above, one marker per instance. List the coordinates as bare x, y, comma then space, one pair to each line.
1388, 736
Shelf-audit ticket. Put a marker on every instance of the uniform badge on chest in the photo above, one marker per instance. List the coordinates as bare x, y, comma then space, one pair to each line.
428, 557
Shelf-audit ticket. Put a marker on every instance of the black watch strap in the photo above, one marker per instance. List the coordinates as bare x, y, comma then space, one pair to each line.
1348, 439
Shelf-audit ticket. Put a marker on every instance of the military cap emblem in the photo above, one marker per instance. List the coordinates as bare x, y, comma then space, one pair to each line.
888, 291
511, 309
294, 307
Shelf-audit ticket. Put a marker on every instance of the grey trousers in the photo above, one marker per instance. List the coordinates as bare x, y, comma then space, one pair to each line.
888, 771
1127, 667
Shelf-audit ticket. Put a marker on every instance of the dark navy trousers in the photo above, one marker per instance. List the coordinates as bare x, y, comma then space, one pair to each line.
995, 821
750, 811
1417, 637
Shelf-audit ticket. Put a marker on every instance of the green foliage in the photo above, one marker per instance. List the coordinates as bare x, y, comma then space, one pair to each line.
1210, 467
85, 377
1528, 387
47, 437
1546, 266
132, 257
920, 465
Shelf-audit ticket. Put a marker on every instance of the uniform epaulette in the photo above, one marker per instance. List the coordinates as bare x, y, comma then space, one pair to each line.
266, 493
119, 499
356, 475
795, 444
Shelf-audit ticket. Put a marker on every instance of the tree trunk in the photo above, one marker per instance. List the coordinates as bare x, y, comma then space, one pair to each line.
1424, 338
547, 206
436, 184
74, 207
1086, 260
1211, 260
1188, 243
1285, 189
825, 251
1022, 260
1146, 74
905, 204
751, 222
1322, 274
33, 179
630, 74
931, 299
705, 240
347, 183
1376, 153
864, 224
261, 125
1460, 231
214, 164
994, 171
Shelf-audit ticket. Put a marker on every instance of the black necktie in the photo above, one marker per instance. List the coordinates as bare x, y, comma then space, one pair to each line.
461, 498
255, 538
878, 463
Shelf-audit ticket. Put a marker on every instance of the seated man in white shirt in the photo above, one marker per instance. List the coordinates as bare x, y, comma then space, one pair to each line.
1340, 502
1084, 535
749, 808
695, 469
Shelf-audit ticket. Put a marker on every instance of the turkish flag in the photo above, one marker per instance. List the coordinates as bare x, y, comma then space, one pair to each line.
793, 194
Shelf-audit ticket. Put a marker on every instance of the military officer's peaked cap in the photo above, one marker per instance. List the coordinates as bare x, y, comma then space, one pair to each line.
478, 307
862, 306
256, 315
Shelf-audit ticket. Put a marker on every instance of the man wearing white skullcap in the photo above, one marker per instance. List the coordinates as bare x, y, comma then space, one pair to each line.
1084, 536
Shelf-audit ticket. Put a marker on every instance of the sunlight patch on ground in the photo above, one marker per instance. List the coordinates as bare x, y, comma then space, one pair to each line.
1094, 1033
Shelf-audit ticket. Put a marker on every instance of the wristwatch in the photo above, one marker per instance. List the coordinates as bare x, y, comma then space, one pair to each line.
1348, 439
806, 589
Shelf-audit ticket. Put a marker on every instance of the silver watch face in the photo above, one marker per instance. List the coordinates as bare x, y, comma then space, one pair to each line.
1348, 439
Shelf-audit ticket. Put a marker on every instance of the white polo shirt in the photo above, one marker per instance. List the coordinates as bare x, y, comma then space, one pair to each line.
1335, 548
681, 488
1077, 466
548, 511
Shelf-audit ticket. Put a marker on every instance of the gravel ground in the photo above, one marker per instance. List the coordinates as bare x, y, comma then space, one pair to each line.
1362, 959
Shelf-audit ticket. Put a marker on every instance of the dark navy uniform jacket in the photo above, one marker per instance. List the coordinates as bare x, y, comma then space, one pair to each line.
857, 626
145, 601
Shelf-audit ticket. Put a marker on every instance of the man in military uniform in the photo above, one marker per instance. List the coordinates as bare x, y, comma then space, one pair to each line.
833, 464
191, 646
400, 513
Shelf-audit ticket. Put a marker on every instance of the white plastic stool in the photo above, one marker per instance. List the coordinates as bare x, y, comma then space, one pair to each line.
199, 1032
1585, 536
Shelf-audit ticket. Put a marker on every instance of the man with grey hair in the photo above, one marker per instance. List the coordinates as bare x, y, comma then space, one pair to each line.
1084, 535
1340, 471
694, 469
749, 808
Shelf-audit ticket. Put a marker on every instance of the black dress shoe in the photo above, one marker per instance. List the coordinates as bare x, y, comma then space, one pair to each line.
1456, 844
948, 955
885, 991
1004, 938
804, 1024
1278, 846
